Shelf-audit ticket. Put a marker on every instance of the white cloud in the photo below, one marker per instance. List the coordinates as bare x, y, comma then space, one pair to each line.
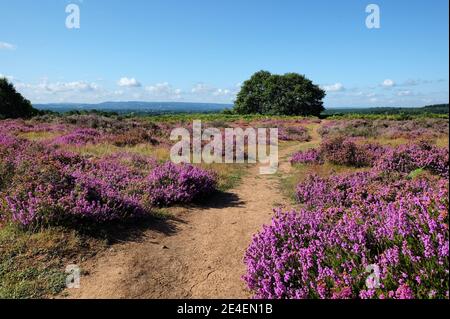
7, 46
164, 89
128, 82
159, 88
78, 86
208, 92
388, 83
202, 88
222, 92
411, 82
57, 87
337, 87
8, 77
404, 93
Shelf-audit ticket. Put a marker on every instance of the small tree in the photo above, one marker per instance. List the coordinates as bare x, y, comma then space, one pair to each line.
288, 94
12, 103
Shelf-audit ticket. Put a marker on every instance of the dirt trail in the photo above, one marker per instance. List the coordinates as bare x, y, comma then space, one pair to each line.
202, 258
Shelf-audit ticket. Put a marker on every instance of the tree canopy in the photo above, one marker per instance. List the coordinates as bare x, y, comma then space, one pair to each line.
272, 94
12, 103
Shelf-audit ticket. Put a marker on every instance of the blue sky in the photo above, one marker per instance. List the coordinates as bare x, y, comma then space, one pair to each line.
201, 50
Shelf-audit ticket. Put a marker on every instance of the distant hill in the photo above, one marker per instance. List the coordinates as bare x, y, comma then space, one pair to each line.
136, 107
434, 109
186, 107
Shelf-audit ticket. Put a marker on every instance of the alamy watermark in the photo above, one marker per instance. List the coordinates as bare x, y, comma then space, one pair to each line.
73, 276
373, 280
235, 145
73, 17
373, 20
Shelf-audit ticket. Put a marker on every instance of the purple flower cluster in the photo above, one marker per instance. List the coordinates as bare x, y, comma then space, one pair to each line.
409, 129
348, 224
169, 183
340, 151
79, 137
293, 133
407, 158
43, 185
311, 156
346, 152
403, 159
60, 187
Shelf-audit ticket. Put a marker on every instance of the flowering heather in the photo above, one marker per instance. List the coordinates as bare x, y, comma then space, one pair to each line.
409, 129
311, 156
349, 223
42, 184
51, 186
288, 130
136, 161
79, 137
407, 158
346, 152
134, 137
170, 183
101, 199
293, 133
342, 152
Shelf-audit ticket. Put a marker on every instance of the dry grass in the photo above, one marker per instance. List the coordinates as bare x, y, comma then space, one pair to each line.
39, 136
229, 175
442, 141
32, 264
105, 149
387, 141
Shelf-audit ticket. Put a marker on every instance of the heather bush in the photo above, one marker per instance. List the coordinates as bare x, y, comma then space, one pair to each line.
169, 183
54, 192
288, 130
110, 125
101, 199
393, 217
133, 137
5, 172
293, 133
137, 162
311, 156
11, 149
79, 137
42, 184
348, 224
51, 186
37, 182
345, 152
409, 129
407, 158
337, 190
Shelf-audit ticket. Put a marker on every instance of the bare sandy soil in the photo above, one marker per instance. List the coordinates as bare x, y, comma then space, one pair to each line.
198, 254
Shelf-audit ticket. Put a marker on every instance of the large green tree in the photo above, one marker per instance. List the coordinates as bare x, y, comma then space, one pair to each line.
12, 103
272, 94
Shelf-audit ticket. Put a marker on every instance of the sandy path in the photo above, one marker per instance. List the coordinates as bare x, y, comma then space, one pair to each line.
202, 258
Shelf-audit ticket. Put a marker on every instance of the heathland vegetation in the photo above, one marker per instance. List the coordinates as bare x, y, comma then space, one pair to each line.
368, 198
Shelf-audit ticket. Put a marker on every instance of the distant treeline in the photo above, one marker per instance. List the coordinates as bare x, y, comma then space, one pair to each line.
429, 109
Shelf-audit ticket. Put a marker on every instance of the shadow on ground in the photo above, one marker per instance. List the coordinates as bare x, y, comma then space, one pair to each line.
132, 230
220, 200
167, 224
